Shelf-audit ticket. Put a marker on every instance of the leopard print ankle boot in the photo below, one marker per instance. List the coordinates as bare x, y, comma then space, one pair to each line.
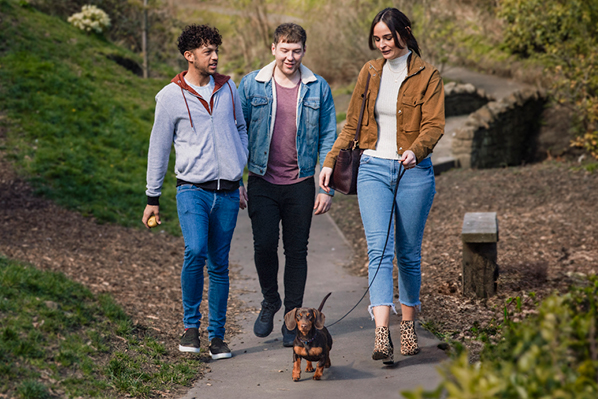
408, 338
383, 348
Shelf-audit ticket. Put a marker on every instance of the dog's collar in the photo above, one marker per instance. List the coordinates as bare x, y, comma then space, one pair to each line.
309, 340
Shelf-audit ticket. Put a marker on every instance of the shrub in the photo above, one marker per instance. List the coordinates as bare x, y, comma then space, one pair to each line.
565, 37
90, 19
552, 354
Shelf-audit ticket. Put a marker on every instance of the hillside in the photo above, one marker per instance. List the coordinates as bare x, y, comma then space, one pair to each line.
77, 123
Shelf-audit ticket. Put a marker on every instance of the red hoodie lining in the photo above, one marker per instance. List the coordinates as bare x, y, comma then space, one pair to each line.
219, 81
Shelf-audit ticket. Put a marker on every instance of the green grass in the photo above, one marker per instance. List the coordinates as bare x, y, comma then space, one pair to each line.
55, 336
78, 124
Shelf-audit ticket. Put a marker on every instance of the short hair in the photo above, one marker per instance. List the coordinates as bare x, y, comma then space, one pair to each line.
396, 22
290, 33
195, 36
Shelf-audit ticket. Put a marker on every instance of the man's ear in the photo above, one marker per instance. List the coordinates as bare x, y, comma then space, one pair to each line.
189, 56
273, 49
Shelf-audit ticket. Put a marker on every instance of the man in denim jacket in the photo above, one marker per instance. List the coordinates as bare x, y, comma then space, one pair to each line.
291, 121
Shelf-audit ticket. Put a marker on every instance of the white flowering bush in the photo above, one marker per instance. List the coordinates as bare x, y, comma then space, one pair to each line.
91, 18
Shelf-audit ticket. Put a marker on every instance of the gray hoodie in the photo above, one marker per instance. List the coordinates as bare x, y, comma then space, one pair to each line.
209, 135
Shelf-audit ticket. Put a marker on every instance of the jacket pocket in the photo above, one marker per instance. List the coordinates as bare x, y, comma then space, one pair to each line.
311, 111
412, 113
259, 109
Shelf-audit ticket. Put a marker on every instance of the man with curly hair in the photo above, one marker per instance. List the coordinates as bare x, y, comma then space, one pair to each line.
291, 121
200, 112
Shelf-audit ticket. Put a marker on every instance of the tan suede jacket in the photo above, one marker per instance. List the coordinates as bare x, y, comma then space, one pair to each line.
420, 110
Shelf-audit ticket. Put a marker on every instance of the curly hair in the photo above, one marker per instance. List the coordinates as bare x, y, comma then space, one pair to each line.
195, 36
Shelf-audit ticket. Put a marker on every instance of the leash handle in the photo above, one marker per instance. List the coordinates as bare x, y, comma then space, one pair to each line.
401, 173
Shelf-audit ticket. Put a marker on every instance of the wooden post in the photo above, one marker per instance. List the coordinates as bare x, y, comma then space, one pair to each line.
479, 236
144, 42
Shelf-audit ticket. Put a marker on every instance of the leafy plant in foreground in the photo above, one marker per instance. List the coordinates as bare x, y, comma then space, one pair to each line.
553, 354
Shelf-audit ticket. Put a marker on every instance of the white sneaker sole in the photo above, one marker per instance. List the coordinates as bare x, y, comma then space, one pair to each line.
221, 355
188, 349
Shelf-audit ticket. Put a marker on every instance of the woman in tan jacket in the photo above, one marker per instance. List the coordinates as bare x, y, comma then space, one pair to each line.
402, 122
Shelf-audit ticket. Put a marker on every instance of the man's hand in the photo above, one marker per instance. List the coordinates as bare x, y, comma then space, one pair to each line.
324, 178
243, 197
149, 211
323, 203
408, 159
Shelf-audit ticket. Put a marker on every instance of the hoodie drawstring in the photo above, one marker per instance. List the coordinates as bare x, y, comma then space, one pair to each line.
188, 111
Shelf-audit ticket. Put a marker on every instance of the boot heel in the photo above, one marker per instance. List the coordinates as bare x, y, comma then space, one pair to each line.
383, 347
409, 344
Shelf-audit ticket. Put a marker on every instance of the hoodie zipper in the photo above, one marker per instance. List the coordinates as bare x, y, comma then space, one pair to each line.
210, 112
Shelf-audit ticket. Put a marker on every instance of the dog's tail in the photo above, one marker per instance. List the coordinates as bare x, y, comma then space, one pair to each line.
324, 301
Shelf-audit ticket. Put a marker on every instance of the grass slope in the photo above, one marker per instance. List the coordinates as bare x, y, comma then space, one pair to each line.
58, 339
78, 123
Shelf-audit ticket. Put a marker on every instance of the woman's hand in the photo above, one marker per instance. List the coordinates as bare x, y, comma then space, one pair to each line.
325, 178
407, 159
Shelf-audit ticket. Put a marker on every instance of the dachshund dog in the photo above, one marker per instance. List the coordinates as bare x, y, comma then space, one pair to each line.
313, 341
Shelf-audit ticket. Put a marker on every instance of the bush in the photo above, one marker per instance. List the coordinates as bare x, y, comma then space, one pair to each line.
90, 19
529, 31
552, 354
565, 37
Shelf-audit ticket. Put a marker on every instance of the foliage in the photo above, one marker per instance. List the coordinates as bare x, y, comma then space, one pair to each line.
551, 354
565, 37
528, 31
90, 18
57, 337
78, 123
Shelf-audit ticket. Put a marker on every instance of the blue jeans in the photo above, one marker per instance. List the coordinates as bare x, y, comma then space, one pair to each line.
207, 220
376, 182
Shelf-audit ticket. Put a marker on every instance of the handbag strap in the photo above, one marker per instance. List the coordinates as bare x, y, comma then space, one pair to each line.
365, 93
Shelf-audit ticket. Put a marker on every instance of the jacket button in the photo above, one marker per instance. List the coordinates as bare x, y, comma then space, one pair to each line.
400, 148
399, 112
265, 153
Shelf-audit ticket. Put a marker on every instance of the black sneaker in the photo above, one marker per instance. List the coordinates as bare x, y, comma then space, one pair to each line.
219, 349
190, 341
288, 336
265, 321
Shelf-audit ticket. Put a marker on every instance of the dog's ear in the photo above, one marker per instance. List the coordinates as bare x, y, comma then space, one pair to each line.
290, 321
320, 320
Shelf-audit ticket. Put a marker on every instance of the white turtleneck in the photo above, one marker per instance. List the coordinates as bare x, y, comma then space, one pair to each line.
385, 110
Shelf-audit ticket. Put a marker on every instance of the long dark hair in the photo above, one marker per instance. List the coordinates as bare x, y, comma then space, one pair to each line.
397, 22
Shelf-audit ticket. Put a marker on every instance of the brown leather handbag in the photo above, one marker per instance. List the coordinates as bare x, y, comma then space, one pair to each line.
344, 173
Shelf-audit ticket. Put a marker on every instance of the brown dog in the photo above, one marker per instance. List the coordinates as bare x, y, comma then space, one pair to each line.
313, 341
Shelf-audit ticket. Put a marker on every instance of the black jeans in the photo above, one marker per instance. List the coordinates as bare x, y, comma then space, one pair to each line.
269, 204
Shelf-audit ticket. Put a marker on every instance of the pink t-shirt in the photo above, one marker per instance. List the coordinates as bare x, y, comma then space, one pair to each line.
282, 159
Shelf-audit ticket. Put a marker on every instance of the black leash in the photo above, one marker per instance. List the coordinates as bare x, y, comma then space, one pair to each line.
383, 249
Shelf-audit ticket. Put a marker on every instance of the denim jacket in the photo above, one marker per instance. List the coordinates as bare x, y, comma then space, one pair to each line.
316, 118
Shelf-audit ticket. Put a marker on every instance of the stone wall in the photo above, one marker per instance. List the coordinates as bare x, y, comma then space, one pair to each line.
501, 133
463, 99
